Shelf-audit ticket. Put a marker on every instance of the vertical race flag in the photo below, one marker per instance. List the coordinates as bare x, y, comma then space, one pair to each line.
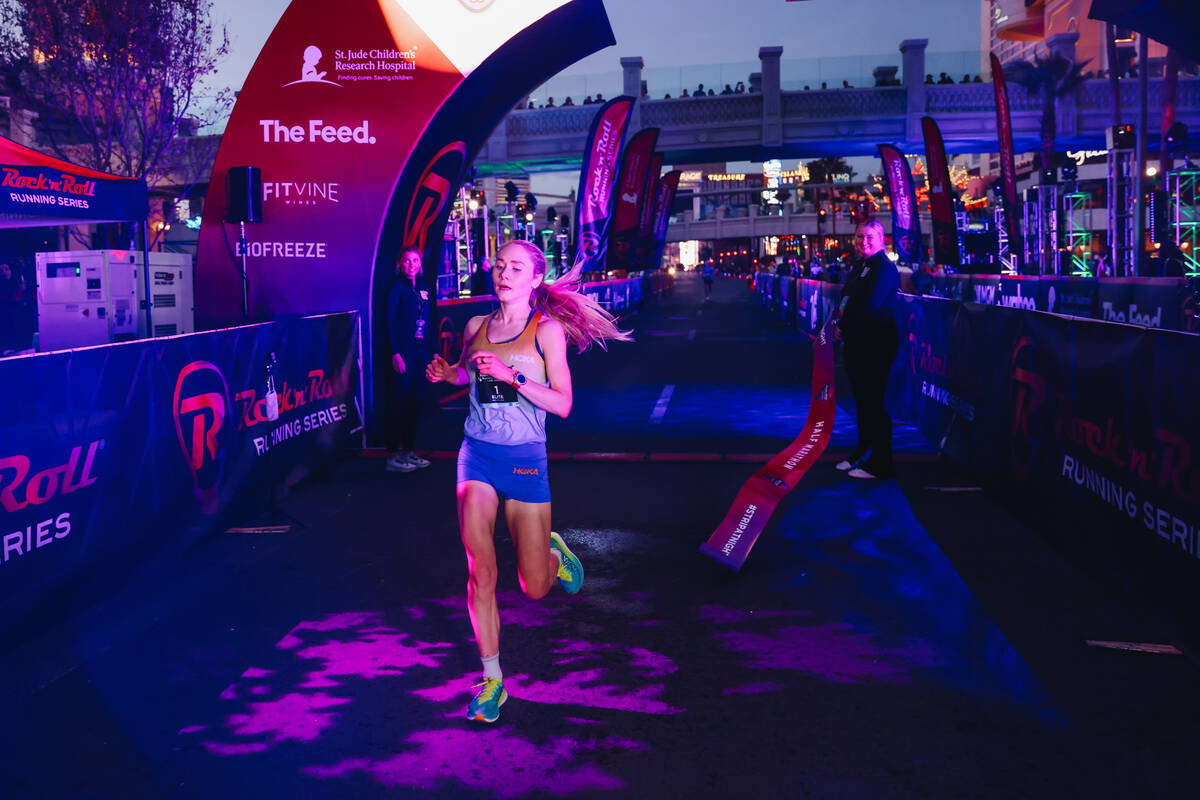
645, 240
631, 185
596, 180
906, 224
1007, 167
663, 199
945, 231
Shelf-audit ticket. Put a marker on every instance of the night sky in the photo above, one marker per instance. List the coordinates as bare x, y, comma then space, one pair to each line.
670, 33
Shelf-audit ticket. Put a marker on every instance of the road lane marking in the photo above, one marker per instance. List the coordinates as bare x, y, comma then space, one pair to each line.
660, 408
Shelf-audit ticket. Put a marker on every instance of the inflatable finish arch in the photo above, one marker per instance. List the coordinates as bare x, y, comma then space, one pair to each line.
364, 116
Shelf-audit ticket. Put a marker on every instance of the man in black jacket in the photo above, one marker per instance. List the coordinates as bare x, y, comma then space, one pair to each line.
866, 325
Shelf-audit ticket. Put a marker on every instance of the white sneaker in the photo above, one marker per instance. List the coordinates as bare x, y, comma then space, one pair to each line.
398, 463
842, 466
861, 474
416, 460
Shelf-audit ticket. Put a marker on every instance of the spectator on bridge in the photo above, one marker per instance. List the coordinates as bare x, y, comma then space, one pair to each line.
685, 93
550, 103
806, 87
568, 102
966, 79
866, 324
410, 336
823, 86
587, 101
667, 96
599, 97
846, 85
929, 79
710, 92
740, 88
727, 90
945, 79
977, 79
700, 90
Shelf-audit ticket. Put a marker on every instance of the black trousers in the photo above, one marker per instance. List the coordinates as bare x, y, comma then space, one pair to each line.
406, 396
868, 361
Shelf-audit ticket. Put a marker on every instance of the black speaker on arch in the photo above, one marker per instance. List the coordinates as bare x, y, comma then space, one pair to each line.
243, 191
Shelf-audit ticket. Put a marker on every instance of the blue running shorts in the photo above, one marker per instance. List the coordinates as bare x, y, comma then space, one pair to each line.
515, 471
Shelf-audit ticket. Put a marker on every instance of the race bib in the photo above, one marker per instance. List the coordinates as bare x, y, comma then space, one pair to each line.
490, 391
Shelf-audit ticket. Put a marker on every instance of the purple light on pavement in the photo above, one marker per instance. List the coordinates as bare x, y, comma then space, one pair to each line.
515, 766
650, 663
584, 689
218, 749
754, 688
833, 652
295, 717
371, 656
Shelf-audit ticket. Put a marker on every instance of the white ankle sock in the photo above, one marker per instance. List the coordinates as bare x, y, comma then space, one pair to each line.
491, 667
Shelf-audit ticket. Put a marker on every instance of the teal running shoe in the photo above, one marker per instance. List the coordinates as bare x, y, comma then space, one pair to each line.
486, 705
570, 571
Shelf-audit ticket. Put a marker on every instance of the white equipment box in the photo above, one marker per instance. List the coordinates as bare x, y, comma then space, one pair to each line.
90, 297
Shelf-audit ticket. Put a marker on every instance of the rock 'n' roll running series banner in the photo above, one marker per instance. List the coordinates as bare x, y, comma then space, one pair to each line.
37, 189
1008, 168
752, 507
645, 242
906, 224
364, 117
627, 198
141, 448
663, 199
597, 177
941, 207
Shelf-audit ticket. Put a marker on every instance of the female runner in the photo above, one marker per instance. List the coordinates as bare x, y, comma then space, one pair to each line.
515, 360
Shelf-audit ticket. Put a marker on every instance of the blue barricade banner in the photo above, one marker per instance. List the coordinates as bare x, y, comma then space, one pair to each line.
123, 451
1087, 425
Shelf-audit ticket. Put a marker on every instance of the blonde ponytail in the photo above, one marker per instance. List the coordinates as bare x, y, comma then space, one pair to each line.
583, 320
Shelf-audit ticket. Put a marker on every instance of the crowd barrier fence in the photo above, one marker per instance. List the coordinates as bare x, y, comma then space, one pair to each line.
115, 455
1087, 425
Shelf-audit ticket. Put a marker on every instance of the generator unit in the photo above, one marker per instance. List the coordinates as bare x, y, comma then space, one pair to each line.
91, 297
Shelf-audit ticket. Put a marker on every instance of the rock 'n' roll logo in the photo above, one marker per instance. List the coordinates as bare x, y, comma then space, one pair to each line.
476, 5
1028, 392
201, 409
589, 243
432, 193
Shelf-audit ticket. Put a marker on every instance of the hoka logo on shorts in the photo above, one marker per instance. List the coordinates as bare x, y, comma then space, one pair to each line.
525, 471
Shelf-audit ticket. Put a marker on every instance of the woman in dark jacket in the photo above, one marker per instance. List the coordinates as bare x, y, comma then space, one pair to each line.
410, 336
867, 327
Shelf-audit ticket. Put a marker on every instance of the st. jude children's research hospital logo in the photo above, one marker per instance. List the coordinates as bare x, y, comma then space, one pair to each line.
308, 69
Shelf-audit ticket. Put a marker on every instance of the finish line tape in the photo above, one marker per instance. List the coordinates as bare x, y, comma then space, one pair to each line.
752, 507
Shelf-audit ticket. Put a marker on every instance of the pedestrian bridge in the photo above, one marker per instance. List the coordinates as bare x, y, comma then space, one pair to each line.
773, 123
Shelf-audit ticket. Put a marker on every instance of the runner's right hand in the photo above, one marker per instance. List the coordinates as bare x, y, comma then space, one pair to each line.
440, 370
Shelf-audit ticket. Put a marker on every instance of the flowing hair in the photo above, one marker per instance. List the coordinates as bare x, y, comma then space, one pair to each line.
583, 320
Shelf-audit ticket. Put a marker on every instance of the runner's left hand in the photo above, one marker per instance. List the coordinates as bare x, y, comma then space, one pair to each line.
490, 364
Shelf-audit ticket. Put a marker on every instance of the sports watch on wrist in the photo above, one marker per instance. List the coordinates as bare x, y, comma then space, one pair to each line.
518, 380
